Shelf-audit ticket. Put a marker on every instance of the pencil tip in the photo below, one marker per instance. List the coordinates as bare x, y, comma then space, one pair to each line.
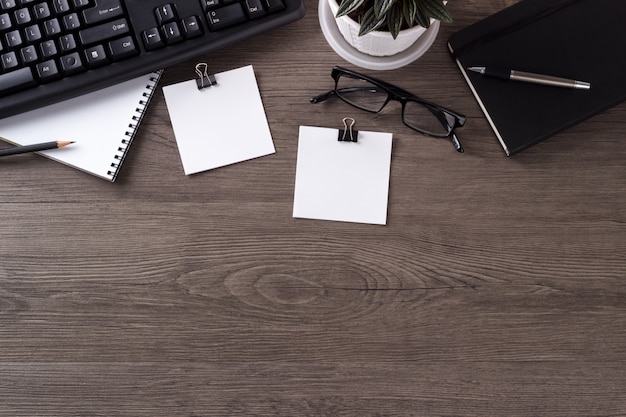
63, 143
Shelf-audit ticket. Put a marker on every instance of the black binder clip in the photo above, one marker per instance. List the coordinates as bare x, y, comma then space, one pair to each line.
347, 134
205, 79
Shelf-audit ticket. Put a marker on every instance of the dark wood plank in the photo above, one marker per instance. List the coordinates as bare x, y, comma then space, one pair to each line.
497, 287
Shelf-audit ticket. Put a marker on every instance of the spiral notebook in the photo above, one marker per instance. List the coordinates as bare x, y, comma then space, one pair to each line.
103, 125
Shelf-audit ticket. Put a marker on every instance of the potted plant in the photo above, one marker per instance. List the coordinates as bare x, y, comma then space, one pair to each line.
386, 27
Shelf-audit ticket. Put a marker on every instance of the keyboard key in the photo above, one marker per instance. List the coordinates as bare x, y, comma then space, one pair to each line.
71, 21
23, 17
192, 27
172, 34
16, 80
103, 32
152, 39
52, 27
9, 61
254, 9
47, 71
29, 54
209, 4
67, 43
5, 21
165, 14
13, 39
96, 56
122, 48
274, 5
79, 4
226, 16
42, 11
104, 10
48, 49
33, 33
72, 64
8, 4
61, 6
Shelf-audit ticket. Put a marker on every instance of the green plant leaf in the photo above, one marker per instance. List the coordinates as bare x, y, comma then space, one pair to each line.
422, 19
435, 9
370, 22
391, 15
409, 9
395, 19
348, 6
381, 7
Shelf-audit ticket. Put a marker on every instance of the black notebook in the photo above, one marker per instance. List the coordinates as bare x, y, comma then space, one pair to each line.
577, 39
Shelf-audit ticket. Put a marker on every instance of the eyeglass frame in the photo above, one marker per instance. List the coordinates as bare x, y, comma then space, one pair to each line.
448, 118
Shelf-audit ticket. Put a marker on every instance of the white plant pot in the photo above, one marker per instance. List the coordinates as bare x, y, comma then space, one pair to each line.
376, 43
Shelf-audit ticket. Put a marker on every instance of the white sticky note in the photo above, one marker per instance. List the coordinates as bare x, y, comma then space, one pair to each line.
342, 181
219, 125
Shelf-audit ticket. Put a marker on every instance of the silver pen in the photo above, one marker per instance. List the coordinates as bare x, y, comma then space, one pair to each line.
529, 77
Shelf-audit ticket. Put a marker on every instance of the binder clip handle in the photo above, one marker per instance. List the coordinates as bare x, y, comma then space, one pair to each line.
205, 79
347, 134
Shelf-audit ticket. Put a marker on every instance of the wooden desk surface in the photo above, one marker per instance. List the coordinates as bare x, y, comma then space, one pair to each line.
497, 287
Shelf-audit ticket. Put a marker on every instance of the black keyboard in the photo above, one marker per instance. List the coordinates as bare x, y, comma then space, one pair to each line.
51, 50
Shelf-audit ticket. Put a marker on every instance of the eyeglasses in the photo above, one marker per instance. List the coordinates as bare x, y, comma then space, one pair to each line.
372, 95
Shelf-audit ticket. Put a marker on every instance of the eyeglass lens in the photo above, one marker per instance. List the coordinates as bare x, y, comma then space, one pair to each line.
361, 93
370, 97
425, 118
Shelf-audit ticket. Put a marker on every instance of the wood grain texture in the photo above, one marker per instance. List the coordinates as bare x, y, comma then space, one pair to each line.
496, 289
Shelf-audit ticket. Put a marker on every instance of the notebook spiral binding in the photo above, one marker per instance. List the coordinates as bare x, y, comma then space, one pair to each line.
122, 150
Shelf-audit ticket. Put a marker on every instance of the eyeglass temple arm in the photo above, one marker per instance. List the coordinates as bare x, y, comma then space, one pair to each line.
322, 97
456, 142
330, 93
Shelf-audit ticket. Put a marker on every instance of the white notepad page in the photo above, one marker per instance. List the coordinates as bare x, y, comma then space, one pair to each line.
102, 124
219, 125
342, 181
